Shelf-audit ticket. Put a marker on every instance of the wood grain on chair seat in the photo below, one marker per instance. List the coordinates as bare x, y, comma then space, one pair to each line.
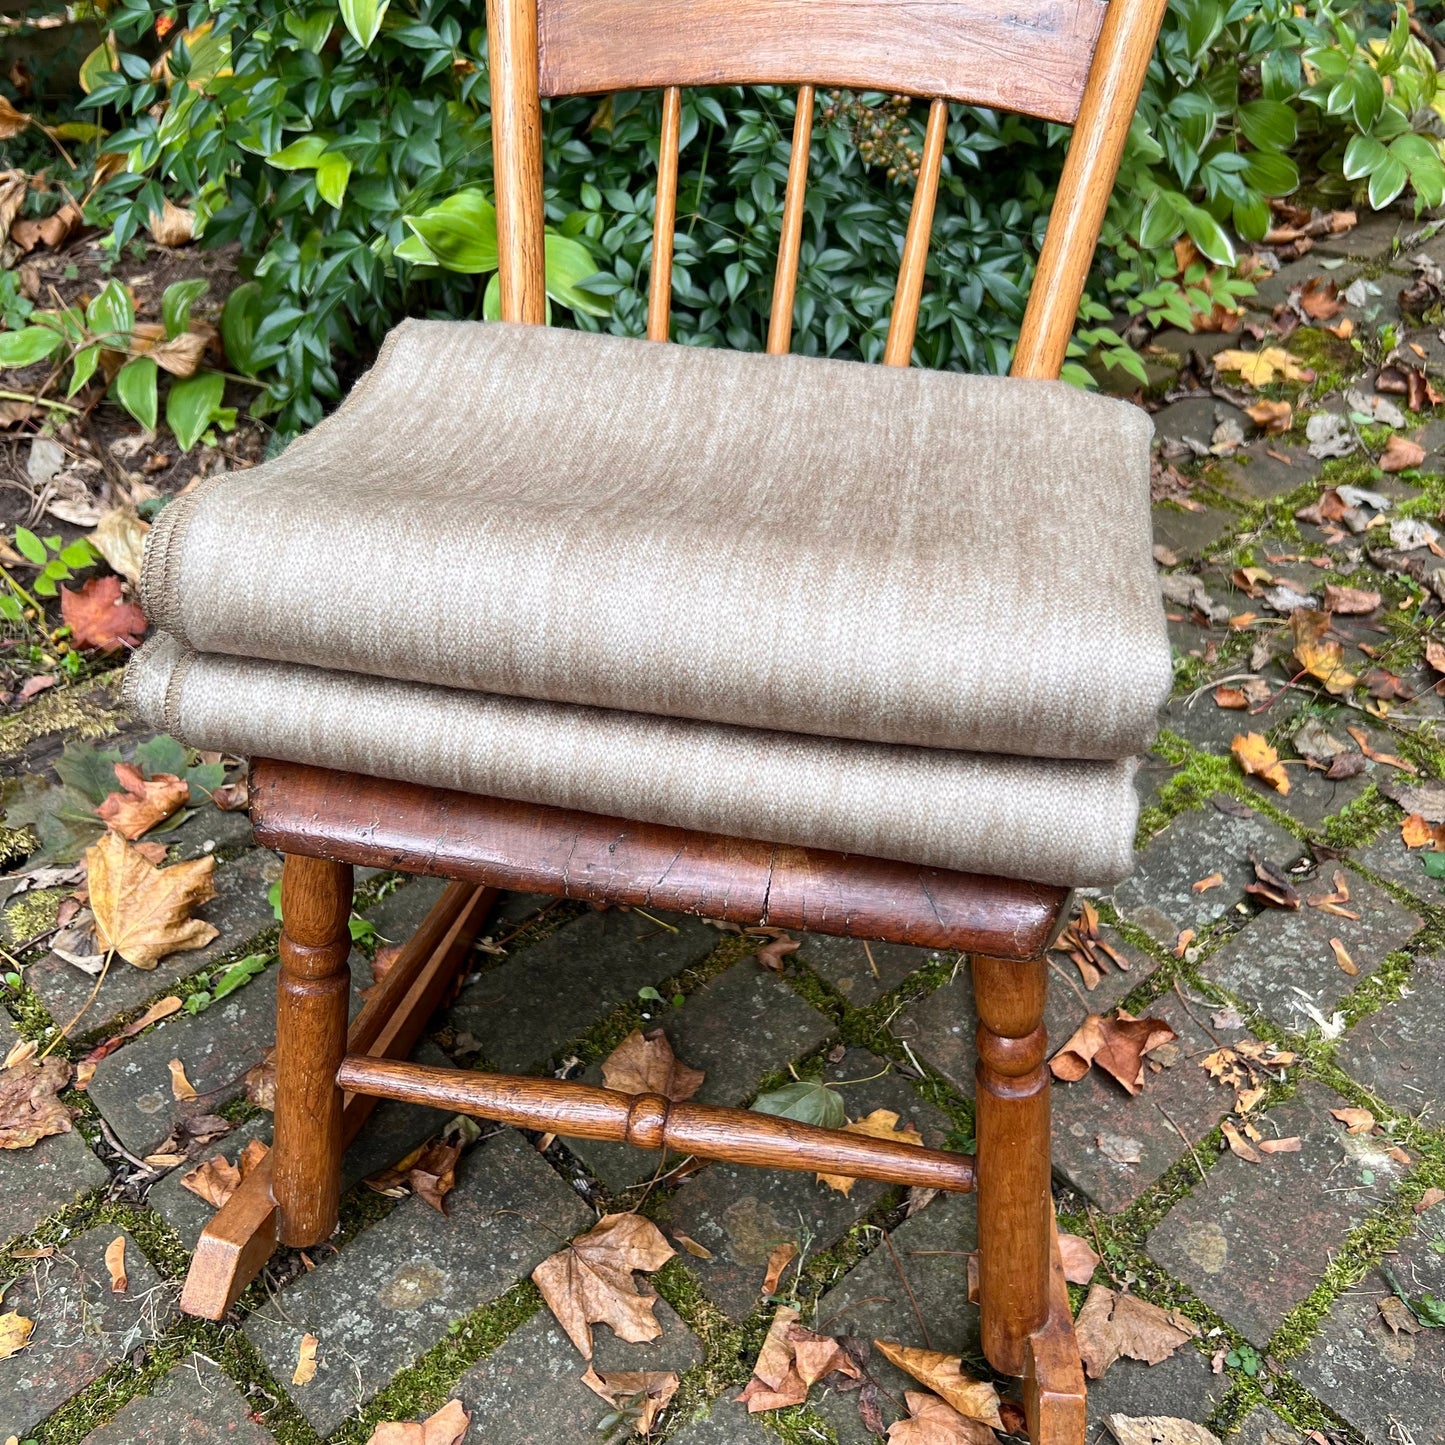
377, 823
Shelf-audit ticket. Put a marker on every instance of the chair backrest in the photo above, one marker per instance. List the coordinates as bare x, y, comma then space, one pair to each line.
1065, 60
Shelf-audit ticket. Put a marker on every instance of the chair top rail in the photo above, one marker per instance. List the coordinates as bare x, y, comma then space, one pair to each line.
1030, 56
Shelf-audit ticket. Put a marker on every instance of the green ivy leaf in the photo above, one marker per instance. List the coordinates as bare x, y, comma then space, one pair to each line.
332, 173
28, 345
459, 233
192, 405
88, 770
135, 389
363, 19
301, 155
807, 1101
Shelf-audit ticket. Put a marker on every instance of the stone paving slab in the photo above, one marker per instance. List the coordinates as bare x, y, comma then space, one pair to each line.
862, 972
1255, 472
1282, 962
740, 1215
1112, 1145
728, 1424
1190, 534
524, 1011
208, 831
241, 910
81, 1327
1263, 1427
873, 1302
392, 1292
195, 1403
1397, 1053
47, 1176
1390, 858
1184, 1385
1253, 1239
1159, 898
737, 1028
1387, 1385
530, 1390
132, 1086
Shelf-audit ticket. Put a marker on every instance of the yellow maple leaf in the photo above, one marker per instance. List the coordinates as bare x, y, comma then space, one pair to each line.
141, 911
880, 1124
14, 1334
1259, 368
1260, 760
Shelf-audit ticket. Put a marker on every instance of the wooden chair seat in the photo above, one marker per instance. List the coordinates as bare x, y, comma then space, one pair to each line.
374, 823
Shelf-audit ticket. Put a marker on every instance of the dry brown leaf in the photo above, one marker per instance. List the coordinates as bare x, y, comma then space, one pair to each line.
1271, 416
1080, 1259
772, 953
1259, 368
429, 1171
1259, 760
1292, 1145
643, 1063
1342, 957
1429, 1199
1116, 1044
24, 1049
144, 801
1396, 1314
1356, 1121
1350, 601
944, 1375
217, 1180
1362, 741
781, 1257
173, 227
14, 1334
141, 911
447, 1427
181, 1087
590, 1281
305, 1370
1322, 658
880, 1124
98, 616
1111, 1326
775, 1384
1401, 454
119, 537
260, 1081
931, 1421
1158, 1430
29, 1108
115, 1265
1417, 833
696, 1250
653, 1389
1238, 1144
1203, 885
12, 122
51, 232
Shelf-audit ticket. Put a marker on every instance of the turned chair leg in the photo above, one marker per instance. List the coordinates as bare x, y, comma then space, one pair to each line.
311, 1014
1015, 1221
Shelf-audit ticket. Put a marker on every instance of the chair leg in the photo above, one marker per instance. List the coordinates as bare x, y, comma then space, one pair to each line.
311, 1012
1027, 1329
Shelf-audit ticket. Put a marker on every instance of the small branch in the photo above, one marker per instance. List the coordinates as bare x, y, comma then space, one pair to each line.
39, 401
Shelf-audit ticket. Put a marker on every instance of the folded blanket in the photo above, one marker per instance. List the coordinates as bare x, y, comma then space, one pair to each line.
1043, 820
884, 554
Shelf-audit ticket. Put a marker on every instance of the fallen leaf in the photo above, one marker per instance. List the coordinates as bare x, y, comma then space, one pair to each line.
1203, 885
1120, 1148
1350, 601
945, 1376
12, 122
1259, 760
775, 1384
1397, 1315
1238, 1144
24, 1049
217, 1180
590, 1281
772, 953
931, 1421
651, 1389
141, 911
119, 537
1400, 454
14, 1334
115, 1265
1080, 1260
696, 1250
305, 1370
174, 226
447, 1427
144, 802
1292, 1145
429, 1171
880, 1124
644, 1064
1111, 1326
1342, 957
1415, 832
1092, 955
29, 1107
1271, 416
1362, 740
1271, 884
1429, 1199
1259, 368
1117, 1045
98, 616
1158, 1430
260, 1081
1321, 657
1356, 1121
781, 1257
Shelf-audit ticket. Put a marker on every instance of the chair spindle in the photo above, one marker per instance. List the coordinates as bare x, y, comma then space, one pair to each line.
785, 281
909, 293
664, 218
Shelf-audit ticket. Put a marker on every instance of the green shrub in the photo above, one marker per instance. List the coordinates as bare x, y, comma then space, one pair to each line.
354, 166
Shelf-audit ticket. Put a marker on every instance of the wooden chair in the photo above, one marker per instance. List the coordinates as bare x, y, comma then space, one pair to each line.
1074, 61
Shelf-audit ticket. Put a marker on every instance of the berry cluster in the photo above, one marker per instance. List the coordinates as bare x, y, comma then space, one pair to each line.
881, 133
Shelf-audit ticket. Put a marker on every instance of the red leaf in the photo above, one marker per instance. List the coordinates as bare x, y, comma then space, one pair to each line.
98, 616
